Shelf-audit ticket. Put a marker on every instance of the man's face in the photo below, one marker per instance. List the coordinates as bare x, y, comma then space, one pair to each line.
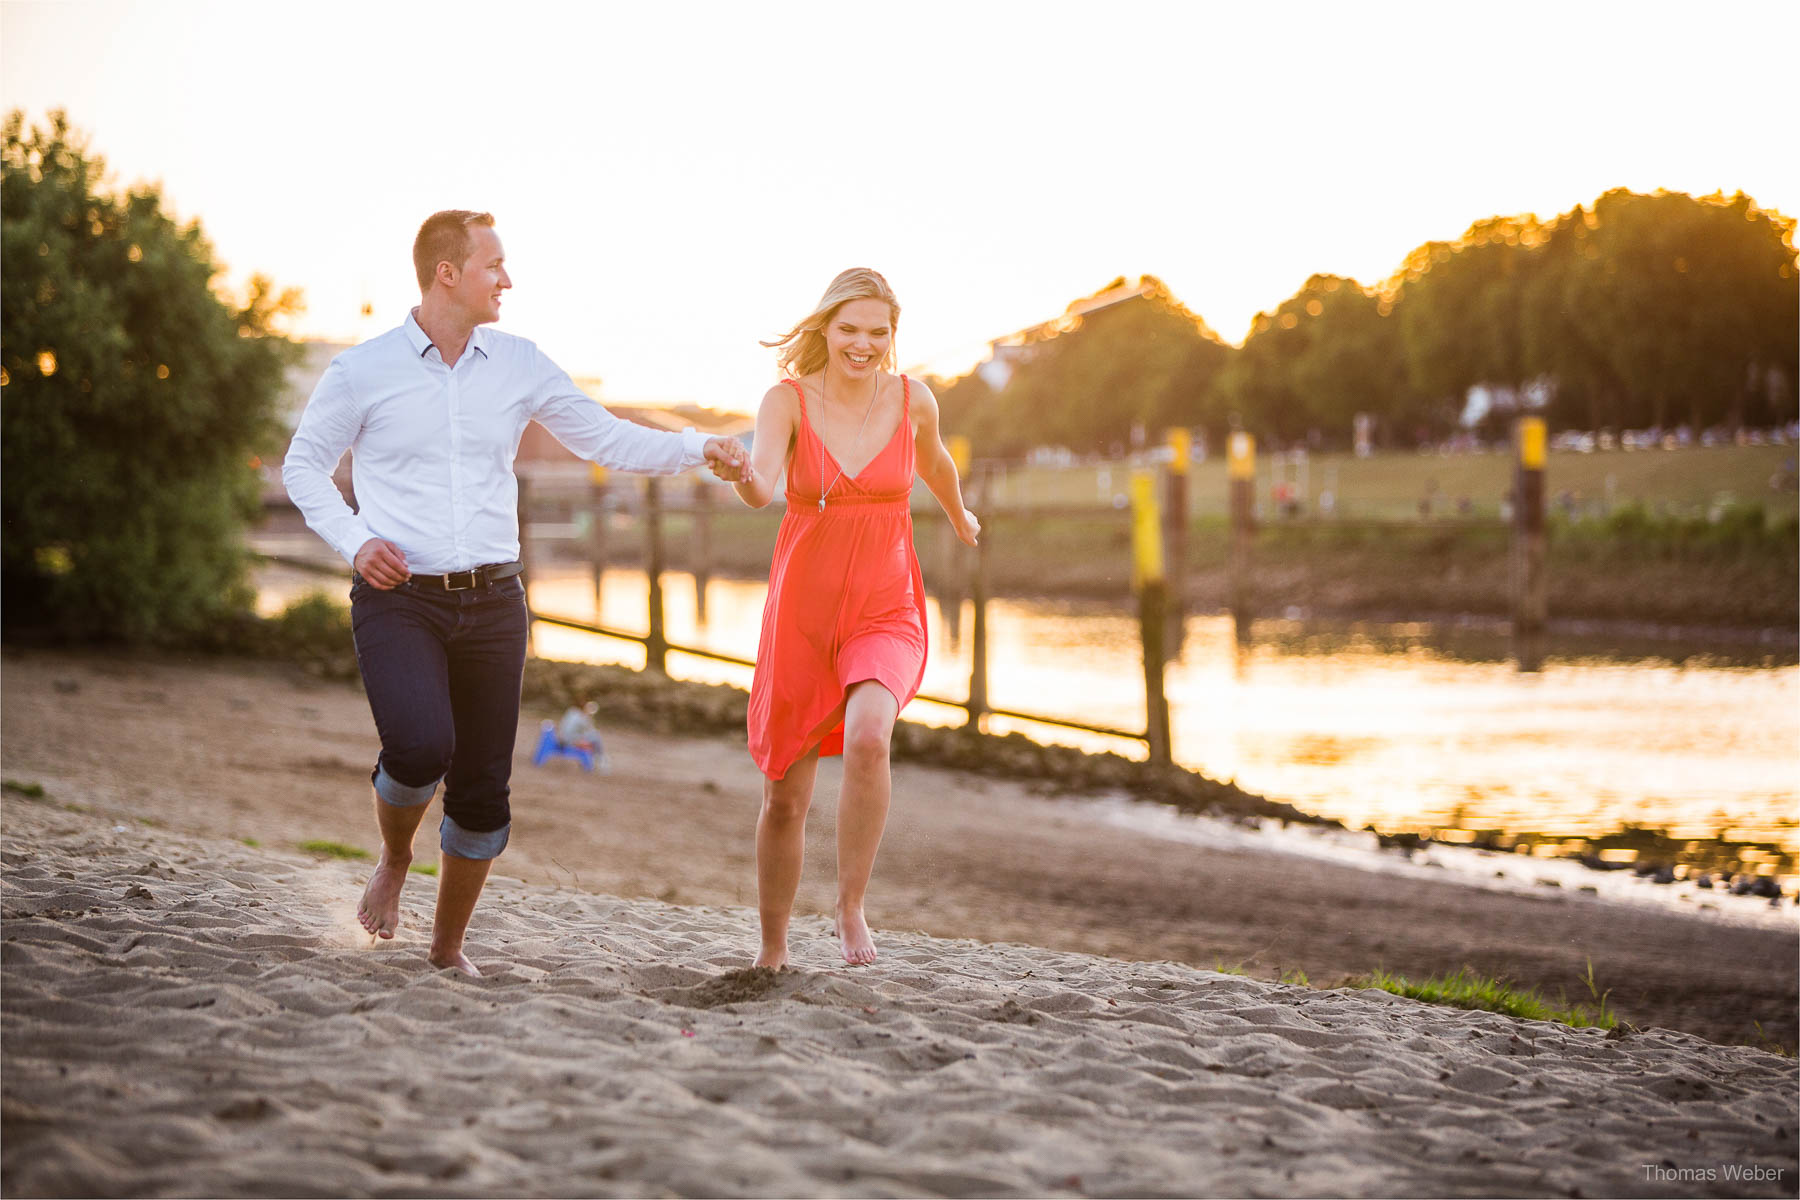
482, 278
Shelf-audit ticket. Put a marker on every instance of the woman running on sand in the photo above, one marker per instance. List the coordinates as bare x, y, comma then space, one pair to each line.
843, 635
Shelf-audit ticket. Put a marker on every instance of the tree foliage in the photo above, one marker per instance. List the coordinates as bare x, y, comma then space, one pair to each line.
134, 395
1127, 359
1636, 311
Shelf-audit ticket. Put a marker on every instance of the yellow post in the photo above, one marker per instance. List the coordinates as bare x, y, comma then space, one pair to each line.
1531, 443
1530, 584
1241, 450
1181, 450
1241, 468
1146, 531
1175, 534
1147, 578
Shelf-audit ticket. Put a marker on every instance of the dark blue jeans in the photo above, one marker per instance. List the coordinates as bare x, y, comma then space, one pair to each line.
442, 671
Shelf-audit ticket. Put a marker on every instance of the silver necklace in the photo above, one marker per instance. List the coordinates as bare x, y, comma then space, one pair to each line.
876, 392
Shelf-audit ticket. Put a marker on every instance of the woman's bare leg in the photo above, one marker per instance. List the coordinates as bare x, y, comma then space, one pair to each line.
869, 714
780, 853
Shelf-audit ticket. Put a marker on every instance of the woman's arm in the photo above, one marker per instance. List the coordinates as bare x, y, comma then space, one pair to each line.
937, 468
777, 420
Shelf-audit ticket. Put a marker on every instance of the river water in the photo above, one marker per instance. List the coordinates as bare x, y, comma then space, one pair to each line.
1404, 727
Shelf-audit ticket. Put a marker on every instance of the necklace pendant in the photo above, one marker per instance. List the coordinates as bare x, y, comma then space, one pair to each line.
821, 504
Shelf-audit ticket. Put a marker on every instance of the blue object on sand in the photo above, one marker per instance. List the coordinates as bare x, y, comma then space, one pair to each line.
548, 747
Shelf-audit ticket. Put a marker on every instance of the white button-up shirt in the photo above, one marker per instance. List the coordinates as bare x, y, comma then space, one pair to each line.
433, 446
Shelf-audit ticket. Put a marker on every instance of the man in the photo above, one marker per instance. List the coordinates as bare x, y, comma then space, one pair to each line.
433, 411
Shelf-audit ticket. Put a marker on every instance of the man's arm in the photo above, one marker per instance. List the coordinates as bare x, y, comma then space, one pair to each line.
585, 427
327, 428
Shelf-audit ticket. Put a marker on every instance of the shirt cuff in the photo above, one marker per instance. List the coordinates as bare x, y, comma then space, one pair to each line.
693, 447
354, 537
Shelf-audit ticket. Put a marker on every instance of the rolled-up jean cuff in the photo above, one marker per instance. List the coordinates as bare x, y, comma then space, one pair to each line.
392, 791
465, 843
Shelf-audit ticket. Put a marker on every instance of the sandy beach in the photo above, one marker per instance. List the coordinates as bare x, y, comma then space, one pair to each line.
187, 1014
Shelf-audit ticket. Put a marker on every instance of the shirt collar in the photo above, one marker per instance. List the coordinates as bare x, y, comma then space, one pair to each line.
421, 343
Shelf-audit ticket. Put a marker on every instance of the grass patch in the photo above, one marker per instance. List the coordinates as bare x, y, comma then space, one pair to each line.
423, 869
333, 849
31, 791
252, 843
1465, 989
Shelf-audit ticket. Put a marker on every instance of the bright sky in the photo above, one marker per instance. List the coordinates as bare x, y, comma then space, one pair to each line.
675, 181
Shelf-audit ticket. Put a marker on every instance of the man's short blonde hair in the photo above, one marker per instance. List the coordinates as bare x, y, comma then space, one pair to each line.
444, 237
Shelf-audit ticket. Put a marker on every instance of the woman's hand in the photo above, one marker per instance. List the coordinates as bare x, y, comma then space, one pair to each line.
969, 528
727, 458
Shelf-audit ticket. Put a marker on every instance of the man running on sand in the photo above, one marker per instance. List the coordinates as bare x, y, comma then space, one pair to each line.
433, 411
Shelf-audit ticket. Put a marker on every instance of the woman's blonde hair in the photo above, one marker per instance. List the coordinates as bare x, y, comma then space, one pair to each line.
803, 347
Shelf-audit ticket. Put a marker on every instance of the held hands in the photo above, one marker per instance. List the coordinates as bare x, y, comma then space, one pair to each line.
727, 458
968, 529
382, 564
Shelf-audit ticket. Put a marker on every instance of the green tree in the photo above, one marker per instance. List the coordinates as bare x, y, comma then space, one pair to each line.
1143, 362
1692, 302
1328, 352
133, 397
1460, 305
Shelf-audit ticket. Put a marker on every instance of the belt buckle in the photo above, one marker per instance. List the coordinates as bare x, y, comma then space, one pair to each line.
475, 580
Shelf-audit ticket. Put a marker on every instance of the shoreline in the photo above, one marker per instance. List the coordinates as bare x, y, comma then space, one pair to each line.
263, 750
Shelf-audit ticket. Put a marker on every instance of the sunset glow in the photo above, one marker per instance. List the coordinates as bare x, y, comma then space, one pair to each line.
673, 184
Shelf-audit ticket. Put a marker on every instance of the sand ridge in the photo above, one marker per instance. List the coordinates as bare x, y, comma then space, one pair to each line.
190, 1015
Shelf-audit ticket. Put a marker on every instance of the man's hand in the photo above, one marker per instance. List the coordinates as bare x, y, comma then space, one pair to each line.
727, 458
382, 564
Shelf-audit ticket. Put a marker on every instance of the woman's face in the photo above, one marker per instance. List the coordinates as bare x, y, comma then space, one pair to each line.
858, 336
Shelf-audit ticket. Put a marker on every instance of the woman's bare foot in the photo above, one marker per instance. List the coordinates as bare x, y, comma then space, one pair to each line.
853, 933
772, 957
455, 959
379, 910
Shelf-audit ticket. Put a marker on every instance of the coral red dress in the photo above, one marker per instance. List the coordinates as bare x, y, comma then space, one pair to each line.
846, 601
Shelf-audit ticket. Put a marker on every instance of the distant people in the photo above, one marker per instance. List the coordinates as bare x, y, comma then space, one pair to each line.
843, 634
433, 411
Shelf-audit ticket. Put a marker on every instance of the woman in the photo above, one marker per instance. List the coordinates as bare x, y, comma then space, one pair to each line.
843, 636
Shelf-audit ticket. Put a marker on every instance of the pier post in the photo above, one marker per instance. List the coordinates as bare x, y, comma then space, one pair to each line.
1175, 535
952, 563
1148, 579
982, 487
656, 644
1530, 603
1241, 448
597, 528
701, 545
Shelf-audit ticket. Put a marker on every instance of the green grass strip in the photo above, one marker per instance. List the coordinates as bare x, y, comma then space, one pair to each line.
334, 849
423, 868
1464, 989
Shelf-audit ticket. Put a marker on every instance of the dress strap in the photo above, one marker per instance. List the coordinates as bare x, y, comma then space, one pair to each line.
798, 391
905, 398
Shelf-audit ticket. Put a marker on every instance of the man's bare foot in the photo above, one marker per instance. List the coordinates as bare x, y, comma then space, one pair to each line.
853, 933
456, 960
379, 910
